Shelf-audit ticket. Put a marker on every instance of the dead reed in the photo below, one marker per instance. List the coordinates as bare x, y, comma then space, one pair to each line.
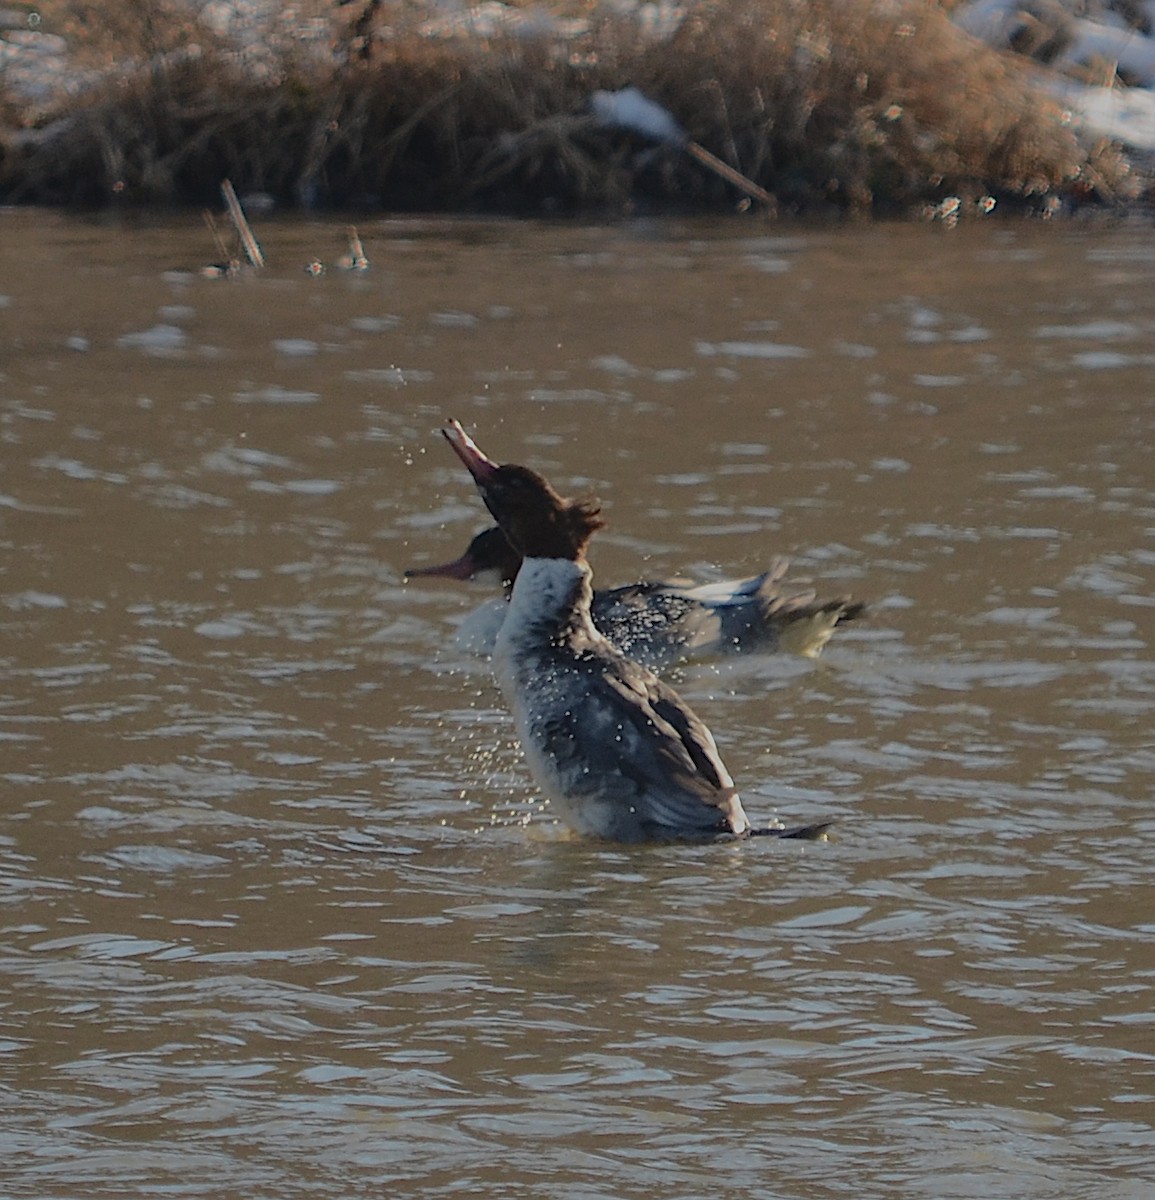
828, 104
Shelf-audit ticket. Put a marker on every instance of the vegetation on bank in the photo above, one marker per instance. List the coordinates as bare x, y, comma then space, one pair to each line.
879, 106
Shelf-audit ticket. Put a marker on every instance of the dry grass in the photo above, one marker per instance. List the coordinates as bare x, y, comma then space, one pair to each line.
869, 104
829, 105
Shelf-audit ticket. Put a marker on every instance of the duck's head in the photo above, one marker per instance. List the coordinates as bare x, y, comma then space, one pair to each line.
488, 557
538, 521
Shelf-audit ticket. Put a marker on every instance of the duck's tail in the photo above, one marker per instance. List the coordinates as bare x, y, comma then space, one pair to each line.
801, 623
803, 833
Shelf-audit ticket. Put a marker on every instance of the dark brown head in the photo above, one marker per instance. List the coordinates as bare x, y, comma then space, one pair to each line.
536, 519
488, 555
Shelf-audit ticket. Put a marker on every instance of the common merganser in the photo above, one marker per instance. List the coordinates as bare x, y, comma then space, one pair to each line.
619, 754
659, 624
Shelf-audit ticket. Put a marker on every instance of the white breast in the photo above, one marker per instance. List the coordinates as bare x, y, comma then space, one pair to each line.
477, 634
544, 589
543, 599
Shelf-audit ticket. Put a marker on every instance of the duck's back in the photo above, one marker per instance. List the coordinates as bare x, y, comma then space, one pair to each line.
616, 751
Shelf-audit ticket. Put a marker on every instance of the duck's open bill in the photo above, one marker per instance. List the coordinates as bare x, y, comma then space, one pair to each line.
477, 462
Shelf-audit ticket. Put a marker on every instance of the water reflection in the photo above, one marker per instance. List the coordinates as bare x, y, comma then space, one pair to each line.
281, 910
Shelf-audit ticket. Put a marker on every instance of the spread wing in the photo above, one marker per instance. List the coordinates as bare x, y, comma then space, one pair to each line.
659, 624
655, 624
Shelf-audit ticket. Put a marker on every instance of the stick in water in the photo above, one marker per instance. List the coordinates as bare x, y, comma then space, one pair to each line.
237, 215
355, 260
227, 263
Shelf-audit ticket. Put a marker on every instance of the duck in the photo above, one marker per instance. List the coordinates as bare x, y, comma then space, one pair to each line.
617, 752
662, 624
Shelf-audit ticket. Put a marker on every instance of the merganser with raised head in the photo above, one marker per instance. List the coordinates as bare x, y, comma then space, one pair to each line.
618, 752
660, 624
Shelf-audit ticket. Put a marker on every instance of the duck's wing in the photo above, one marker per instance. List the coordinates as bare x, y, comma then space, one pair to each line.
731, 593
763, 615
804, 624
662, 623
650, 623
647, 751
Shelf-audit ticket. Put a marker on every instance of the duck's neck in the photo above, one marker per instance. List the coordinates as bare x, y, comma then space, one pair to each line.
551, 595
494, 577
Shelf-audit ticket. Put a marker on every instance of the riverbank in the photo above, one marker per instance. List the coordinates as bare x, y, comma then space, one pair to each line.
824, 106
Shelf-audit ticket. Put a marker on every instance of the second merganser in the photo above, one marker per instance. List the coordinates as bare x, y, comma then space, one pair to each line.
660, 624
618, 752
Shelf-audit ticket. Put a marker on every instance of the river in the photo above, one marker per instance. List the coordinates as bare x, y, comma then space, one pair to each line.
282, 912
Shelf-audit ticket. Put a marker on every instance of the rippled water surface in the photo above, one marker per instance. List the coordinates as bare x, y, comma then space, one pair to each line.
282, 914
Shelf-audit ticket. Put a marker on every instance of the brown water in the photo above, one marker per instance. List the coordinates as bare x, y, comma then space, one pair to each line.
281, 913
